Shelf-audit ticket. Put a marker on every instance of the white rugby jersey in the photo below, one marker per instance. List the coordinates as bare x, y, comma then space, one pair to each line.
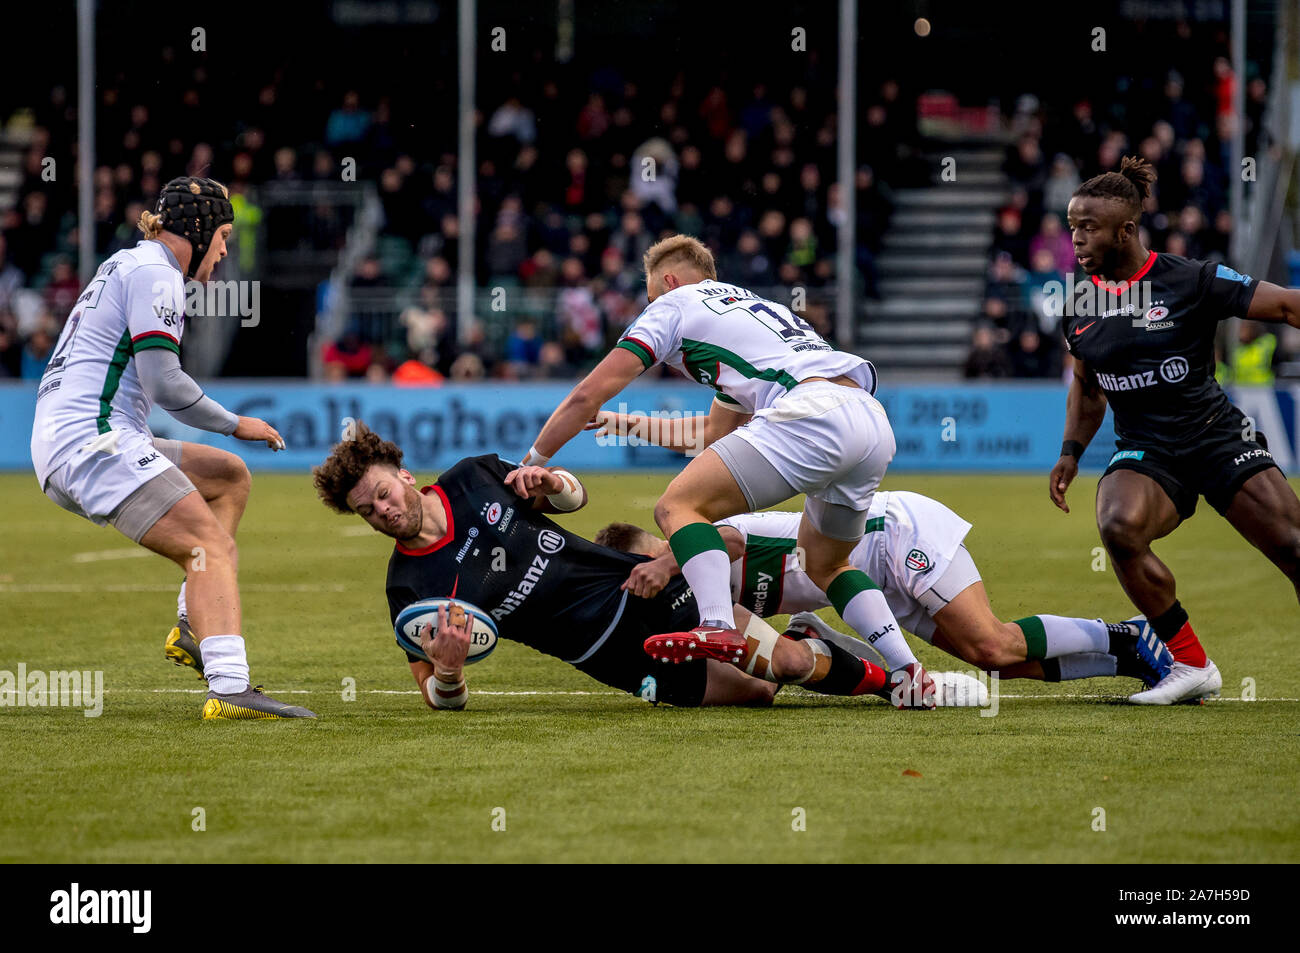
751, 351
910, 541
135, 301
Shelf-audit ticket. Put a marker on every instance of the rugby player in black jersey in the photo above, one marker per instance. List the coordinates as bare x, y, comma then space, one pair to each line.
1151, 358
481, 533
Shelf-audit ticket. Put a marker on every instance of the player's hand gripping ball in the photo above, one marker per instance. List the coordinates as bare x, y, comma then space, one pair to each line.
482, 633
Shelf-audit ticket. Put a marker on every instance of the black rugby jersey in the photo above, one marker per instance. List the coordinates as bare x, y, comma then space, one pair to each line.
545, 586
1153, 354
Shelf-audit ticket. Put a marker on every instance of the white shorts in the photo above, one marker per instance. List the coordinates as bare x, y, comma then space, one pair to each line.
826, 440
915, 613
100, 477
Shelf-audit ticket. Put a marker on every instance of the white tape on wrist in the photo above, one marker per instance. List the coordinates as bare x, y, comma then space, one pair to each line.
533, 458
446, 694
760, 660
570, 498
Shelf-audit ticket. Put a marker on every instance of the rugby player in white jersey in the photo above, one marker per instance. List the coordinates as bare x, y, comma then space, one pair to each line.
94, 455
791, 415
914, 548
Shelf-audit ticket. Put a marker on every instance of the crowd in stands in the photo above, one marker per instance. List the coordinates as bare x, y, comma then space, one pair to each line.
575, 180
573, 191
1185, 133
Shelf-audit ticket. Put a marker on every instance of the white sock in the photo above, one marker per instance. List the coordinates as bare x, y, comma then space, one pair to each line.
225, 663
709, 575
1068, 636
1086, 665
180, 603
869, 615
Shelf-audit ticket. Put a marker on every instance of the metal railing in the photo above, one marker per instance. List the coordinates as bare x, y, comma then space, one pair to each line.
375, 314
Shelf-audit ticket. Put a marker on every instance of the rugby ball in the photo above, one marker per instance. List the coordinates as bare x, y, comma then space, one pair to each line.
482, 633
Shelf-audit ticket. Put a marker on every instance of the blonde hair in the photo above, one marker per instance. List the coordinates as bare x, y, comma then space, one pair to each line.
150, 224
680, 248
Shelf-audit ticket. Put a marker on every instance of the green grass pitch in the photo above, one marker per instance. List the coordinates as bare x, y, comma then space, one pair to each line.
584, 774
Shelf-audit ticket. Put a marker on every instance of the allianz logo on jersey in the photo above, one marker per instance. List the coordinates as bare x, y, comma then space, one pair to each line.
469, 541
1172, 370
515, 598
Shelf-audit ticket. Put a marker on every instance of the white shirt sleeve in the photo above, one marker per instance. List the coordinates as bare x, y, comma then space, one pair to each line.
656, 335
155, 307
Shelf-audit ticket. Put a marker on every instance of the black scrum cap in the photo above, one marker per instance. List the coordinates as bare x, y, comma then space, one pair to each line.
194, 209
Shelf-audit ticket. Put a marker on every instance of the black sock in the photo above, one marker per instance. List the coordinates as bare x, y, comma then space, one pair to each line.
846, 675
1123, 645
1170, 621
1051, 669
1122, 639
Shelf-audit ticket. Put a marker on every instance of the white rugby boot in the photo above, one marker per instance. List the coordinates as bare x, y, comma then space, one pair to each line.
1184, 683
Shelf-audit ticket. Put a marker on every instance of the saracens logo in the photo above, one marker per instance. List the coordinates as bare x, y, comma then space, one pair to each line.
549, 541
918, 561
492, 513
1174, 369
1155, 320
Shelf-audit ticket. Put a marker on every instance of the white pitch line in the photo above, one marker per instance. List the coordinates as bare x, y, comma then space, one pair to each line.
803, 694
310, 691
102, 555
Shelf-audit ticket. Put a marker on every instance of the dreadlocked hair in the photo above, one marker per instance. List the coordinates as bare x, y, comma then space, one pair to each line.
1130, 185
348, 463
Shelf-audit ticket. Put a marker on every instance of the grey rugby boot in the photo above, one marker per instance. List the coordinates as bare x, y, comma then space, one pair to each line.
250, 703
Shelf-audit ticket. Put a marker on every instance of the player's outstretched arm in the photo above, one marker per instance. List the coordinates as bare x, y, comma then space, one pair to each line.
168, 386
618, 369
1275, 303
1085, 408
687, 435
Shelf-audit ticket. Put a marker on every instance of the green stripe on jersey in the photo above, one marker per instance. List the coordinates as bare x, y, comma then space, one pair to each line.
639, 349
112, 379
875, 525
762, 575
155, 339
703, 360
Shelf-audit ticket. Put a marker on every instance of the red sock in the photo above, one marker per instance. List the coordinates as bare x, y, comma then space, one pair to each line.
873, 679
1186, 647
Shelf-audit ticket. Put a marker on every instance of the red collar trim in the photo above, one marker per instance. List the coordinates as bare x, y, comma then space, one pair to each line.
447, 537
1125, 285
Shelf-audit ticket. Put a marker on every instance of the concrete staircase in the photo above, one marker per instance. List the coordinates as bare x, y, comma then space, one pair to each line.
932, 266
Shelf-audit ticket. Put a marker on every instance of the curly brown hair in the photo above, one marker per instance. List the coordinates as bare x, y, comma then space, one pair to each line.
348, 463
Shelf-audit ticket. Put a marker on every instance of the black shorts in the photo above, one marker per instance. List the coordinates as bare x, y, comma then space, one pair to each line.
1214, 463
621, 661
